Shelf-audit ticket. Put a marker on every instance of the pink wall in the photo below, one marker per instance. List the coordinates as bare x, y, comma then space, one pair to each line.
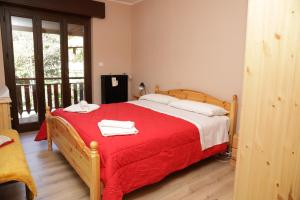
111, 44
194, 44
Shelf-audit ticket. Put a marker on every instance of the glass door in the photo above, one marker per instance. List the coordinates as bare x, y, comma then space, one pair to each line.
76, 62
24, 67
47, 63
51, 41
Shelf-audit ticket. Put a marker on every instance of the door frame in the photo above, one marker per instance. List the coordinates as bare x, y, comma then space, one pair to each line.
8, 56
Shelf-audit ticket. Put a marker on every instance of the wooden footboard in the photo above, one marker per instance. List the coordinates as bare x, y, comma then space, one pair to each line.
84, 160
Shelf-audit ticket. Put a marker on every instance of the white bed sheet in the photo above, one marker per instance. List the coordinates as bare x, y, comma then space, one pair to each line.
212, 130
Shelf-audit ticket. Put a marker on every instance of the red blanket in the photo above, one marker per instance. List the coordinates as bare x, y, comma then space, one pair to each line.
163, 145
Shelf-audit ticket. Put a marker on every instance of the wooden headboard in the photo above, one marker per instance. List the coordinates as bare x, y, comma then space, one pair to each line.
231, 107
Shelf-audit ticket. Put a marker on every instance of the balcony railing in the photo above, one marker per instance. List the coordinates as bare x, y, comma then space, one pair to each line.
27, 100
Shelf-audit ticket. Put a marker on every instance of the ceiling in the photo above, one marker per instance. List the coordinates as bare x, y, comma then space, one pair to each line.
129, 2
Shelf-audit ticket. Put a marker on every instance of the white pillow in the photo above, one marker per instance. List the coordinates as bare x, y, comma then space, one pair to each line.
199, 107
159, 98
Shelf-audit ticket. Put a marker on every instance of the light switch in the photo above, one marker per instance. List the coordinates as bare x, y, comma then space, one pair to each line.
100, 64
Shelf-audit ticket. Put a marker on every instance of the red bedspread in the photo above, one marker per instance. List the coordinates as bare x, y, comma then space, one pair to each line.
163, 145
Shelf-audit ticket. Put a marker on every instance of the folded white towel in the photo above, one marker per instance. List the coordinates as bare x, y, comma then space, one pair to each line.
82, 107
113, 131
117, 124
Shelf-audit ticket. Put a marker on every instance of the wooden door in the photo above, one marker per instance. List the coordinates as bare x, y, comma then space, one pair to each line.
47, 62
268, 164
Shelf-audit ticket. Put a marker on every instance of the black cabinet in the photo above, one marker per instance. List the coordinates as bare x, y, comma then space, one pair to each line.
114, 88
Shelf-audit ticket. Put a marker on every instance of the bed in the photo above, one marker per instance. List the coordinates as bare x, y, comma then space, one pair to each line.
127, 163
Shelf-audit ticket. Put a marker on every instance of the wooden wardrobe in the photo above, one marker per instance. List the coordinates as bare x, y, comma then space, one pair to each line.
269, 143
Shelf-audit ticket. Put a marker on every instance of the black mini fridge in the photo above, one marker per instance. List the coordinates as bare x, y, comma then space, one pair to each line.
114, 88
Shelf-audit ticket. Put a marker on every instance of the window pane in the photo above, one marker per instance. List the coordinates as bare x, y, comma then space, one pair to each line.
76, 61
51, 49
23, 47
24, 62
52, 63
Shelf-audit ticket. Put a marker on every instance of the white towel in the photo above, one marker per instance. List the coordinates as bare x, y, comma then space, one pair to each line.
82, 107
117, 124
4, 140
112, 131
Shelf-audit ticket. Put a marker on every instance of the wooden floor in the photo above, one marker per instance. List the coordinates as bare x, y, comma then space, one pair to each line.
210, 179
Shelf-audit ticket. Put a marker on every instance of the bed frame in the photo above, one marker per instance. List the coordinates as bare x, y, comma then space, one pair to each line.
86, 160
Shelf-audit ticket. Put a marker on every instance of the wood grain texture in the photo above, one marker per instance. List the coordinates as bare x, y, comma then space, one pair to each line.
231, 107
268, 164
84, 160
207, 180
5, 117
234, 150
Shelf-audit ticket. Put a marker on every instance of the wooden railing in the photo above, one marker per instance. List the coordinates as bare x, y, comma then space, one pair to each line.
27, 100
